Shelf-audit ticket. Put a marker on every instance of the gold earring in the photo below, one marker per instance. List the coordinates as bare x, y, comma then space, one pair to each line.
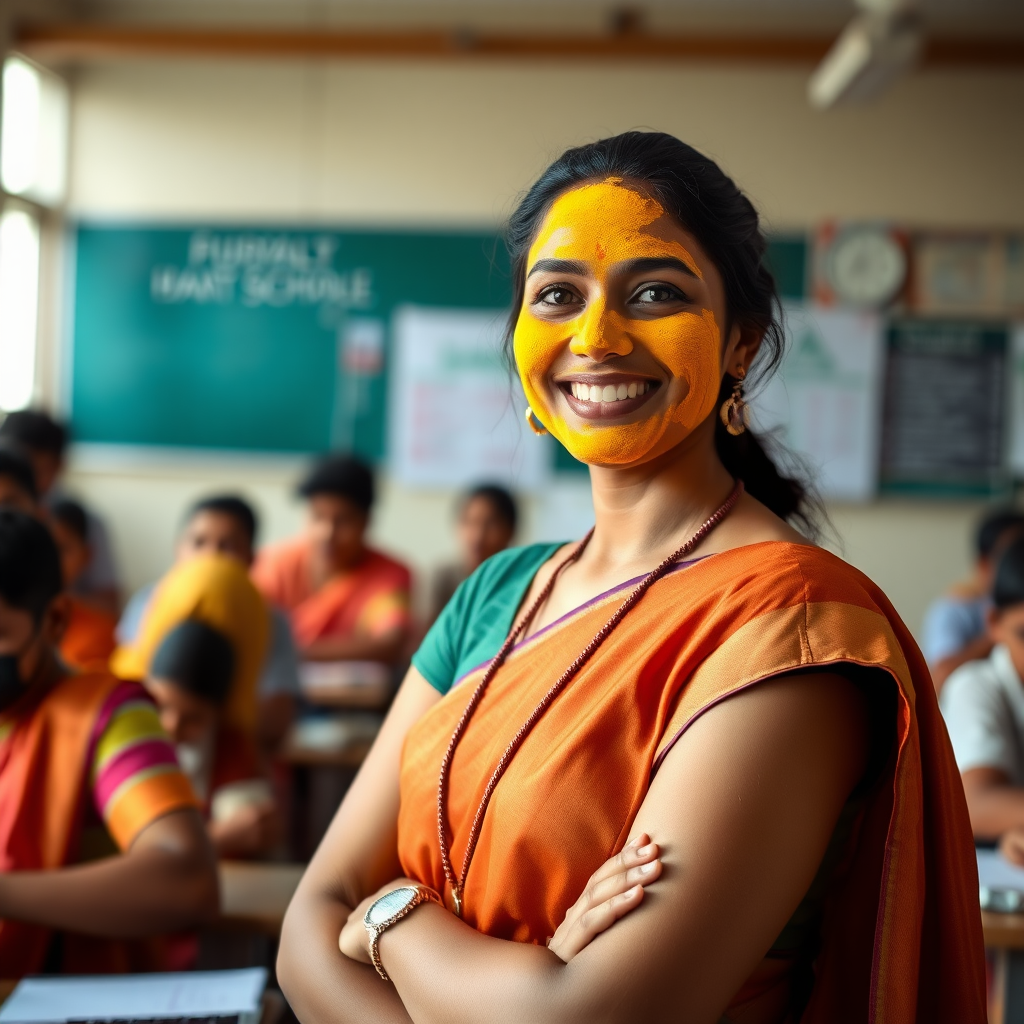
735, 412
530, 416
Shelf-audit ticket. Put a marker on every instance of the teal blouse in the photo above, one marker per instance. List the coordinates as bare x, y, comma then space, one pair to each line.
477, 619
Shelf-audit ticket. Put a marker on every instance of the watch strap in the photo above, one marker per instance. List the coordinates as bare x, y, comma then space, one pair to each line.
421, 894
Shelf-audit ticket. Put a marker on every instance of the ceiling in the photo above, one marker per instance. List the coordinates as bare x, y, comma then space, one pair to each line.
733, 16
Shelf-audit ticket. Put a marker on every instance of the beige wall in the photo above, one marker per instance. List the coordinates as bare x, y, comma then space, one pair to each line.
445, 144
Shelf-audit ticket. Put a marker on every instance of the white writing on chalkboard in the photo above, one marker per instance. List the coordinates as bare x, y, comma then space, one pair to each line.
262, 270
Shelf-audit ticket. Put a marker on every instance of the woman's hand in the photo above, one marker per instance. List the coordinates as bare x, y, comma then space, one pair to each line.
613, 891
353, 940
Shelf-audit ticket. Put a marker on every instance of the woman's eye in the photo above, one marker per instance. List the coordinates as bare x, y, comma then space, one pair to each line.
656, 293
557, 297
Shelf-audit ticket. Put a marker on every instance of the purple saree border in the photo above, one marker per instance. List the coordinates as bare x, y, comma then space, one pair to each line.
576, 611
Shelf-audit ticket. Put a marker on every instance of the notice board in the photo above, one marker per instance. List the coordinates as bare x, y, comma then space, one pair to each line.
944, 428
267, 339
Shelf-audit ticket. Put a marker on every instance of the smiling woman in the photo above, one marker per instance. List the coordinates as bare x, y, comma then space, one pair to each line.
687, 768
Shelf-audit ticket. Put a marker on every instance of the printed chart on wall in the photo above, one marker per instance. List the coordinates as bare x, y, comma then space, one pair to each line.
824, 404
946, 417
266, 339
455, 412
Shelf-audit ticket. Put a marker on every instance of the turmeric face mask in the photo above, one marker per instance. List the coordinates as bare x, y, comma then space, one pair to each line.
617, 362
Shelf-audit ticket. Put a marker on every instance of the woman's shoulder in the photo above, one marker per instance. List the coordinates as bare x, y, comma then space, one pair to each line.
510, 568
793, 568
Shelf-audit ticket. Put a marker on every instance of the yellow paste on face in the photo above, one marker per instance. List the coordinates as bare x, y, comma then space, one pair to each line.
602, 225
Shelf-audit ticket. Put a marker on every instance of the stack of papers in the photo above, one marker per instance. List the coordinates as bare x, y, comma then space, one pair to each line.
135, 997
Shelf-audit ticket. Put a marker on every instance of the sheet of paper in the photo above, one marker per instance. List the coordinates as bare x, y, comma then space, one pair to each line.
456, 415
825, 403
995, 872
135, 996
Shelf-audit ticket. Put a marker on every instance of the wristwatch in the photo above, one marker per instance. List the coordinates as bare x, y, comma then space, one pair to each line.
389, 909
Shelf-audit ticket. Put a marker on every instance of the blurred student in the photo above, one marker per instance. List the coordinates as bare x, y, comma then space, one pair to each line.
486, 525
17, 481
345, 600
216, 590
954, 625
45, 441
190, 677
100, 838
88, 640
226, 524
983, 705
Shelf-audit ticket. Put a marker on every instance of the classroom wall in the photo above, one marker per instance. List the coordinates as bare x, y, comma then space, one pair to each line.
424, 143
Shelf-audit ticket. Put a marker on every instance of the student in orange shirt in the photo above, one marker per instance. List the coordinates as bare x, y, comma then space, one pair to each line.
88, 640
346, 601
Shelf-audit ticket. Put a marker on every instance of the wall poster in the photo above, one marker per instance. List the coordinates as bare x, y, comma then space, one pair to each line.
456, 415
823, 404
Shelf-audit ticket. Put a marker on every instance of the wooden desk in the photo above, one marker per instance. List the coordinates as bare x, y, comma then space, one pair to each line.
350, 756
1004, 936
254, 896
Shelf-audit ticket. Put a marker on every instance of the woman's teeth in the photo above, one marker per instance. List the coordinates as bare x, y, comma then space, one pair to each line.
610, 392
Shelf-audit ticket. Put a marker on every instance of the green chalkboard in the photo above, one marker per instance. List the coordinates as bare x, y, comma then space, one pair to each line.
269, 339
265, 339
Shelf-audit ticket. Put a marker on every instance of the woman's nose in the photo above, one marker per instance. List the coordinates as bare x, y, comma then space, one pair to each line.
600, 334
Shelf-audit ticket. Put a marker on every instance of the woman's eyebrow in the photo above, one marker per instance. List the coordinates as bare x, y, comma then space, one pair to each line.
559, 267
649, 264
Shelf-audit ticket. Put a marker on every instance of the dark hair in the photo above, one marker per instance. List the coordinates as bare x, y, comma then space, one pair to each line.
694, 190
501, 501
30, 576
198, 658
71, 515
228, 505
1008, 588
994, 527
35, 430
343, 476
16, 465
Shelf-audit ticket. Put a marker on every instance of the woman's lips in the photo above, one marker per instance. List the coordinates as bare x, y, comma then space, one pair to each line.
595, 406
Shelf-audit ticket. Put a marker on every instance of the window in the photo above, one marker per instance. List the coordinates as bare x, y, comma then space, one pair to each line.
33, 140
19, 298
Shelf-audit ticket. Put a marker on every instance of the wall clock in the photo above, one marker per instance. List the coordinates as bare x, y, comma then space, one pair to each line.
864, 265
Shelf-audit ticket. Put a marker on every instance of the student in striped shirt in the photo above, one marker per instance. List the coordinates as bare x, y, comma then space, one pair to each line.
100, 836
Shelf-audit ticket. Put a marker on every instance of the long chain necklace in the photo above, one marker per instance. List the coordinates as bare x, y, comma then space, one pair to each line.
458, 884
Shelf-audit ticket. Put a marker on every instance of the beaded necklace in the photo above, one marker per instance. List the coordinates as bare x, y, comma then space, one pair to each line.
458, 884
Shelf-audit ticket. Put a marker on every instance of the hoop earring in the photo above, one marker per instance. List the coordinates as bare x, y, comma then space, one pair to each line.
530, 416
735, 413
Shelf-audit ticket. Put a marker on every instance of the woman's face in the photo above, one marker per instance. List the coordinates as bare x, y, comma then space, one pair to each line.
618, 341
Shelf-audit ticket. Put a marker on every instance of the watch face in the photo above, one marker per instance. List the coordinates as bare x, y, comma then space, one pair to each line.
866, 266
387, 906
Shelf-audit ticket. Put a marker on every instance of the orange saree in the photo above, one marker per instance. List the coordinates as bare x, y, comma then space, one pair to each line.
900, 932
46, 752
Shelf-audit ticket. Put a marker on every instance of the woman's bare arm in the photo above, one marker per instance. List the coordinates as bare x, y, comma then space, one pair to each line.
166, 881
743, 809
358, 855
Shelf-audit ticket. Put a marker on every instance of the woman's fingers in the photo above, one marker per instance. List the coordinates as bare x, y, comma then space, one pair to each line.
640, 851
596, 920
613, 890
619, 882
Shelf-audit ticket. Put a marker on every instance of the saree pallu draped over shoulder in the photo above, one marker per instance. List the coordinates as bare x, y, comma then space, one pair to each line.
901, 936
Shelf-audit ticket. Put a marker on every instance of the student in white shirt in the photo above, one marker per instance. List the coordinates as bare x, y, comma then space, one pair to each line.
983, 705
